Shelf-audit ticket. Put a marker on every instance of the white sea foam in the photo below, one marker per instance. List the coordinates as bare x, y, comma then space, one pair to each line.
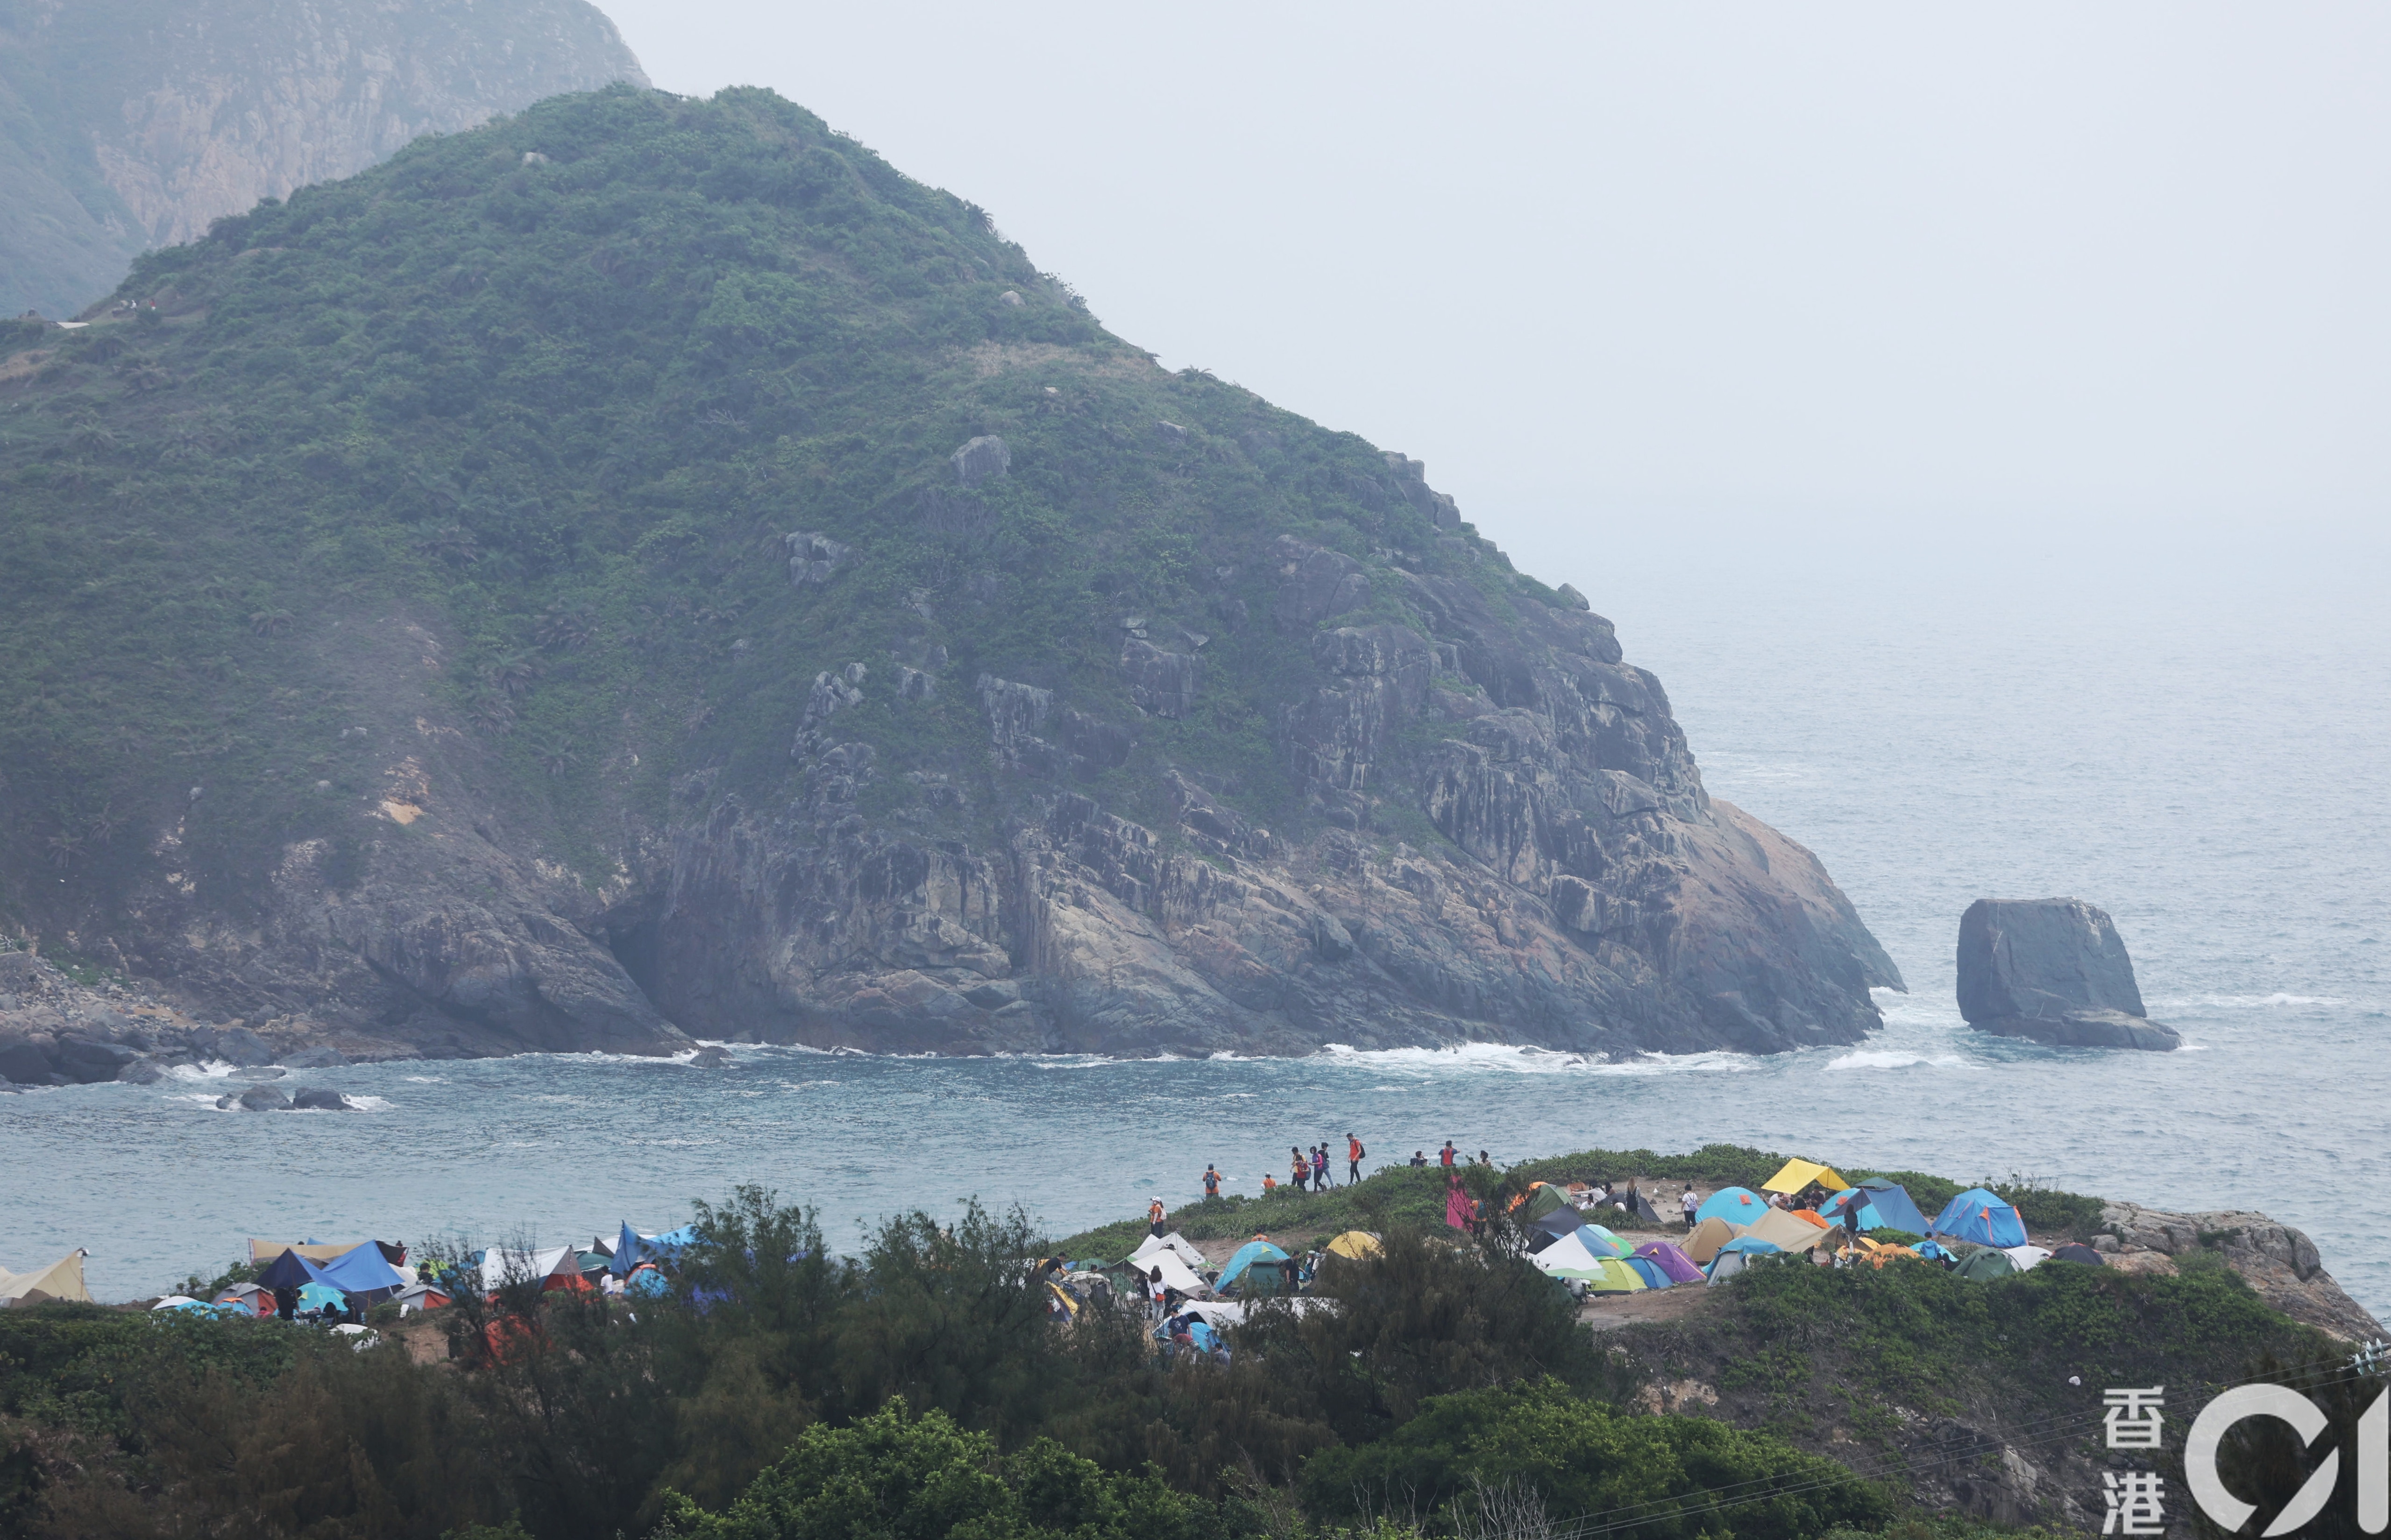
1893, 1058
1505, 1057
369, 1104
2243, 1002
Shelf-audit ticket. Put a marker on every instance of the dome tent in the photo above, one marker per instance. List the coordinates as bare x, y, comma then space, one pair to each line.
1982, 1216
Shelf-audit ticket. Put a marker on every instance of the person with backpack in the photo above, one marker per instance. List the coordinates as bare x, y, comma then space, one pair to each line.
1154, 1217
1320, 1168
1301, 1172
1353, 1153
1212, 1181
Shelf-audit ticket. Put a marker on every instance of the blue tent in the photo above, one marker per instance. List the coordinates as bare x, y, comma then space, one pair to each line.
626, 1251
1247, 1254
1736, 1205
314, 1296
1650, 1273
290, 1271
648, 1285
1983, 1217
361, 1270
1881, 1203
1751, 1246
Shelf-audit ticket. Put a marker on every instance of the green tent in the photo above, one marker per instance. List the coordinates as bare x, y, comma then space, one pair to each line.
1985, 1265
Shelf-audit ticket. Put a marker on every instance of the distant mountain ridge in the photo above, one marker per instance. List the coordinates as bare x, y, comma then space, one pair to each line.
647, 569
128, 124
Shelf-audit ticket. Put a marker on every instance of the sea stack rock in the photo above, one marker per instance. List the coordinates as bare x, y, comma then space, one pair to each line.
2053, 969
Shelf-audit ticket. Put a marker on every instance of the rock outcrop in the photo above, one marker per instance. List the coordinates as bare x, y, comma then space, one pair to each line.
2053, 969
132, 123
2279, 1263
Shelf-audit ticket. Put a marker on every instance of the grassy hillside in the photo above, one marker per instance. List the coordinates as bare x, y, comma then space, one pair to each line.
561, 388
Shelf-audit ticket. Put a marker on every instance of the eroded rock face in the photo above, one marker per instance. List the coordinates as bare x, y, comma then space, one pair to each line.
2054, 970
1580, 889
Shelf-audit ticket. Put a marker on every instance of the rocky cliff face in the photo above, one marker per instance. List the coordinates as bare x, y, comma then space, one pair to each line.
674, 577
134, 124
1573, 885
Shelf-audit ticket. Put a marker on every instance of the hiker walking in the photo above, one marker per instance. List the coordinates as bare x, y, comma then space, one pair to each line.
1691, 1204
1320, 1168
1212, 1181
1353, 1153
1300, 1170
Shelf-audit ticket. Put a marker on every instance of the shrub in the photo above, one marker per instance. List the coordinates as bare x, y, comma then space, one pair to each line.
1683, 1477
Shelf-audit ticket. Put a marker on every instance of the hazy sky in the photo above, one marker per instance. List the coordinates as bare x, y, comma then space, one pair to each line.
1640, 279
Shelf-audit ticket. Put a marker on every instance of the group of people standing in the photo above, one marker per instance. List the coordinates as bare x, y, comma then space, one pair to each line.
1309, 1167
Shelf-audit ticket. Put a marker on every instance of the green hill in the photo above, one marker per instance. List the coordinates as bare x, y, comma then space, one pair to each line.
648, 562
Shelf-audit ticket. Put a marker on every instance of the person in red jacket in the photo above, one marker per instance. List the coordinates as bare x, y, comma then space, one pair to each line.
1446, 1156
1353, 1153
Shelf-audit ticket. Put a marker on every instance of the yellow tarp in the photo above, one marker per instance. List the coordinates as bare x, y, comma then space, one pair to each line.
1356, 1244
1798, 1175
263, 1251
61, 1279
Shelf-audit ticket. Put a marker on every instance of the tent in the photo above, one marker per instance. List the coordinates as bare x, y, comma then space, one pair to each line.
2027, 1257
1749, 1246
1602, 1242
364, 1272
1707, 1237
647, 1282
1653, 1274
556, 1267
1247, 1254
1612, 1275
626, 1254
1458, 1206
1636, 1204
1562, 1220
1881, 1204
1176, 1244
61, 1279
1356, 1244
291, 1269
1985, 1265
1980, 1216
1928, 1252
1176, 1274
1736, 1205
420, 1296
1541, 1198
2078, 1252
1796, 1175
1567, 1257
316, 1296
1670, 1260
1727, 1266
250, 1297
1789, 1231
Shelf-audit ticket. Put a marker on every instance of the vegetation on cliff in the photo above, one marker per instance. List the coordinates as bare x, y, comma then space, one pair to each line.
651, 467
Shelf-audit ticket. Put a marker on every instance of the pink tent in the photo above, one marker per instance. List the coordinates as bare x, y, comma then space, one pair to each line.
1676, 1264
1457, 1207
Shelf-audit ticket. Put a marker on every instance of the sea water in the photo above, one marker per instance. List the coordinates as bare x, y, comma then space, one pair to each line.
2214, 774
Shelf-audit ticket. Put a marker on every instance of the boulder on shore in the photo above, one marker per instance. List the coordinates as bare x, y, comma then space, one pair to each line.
2055, 970
319, 1098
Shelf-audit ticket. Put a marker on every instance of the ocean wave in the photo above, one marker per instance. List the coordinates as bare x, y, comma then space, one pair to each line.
1517, 1058
1893, 1058
2243, 1002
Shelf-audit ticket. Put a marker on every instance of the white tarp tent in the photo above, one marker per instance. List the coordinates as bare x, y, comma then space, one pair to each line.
1566, 1256
1176, 1274
2026, 1257
500, 1265
1228, 1313
61, 1279
1175, 1244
